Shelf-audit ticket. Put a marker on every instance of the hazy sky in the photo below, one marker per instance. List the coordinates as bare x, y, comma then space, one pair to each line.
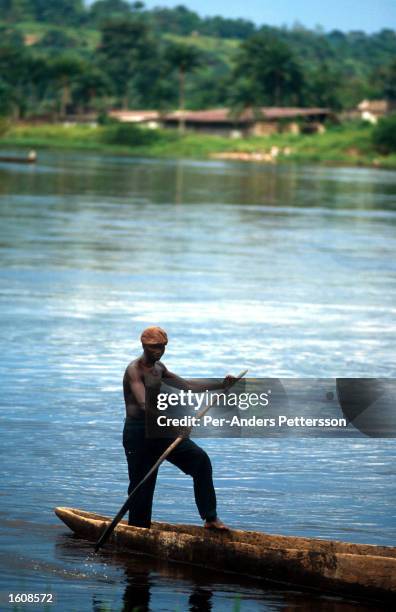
367, 15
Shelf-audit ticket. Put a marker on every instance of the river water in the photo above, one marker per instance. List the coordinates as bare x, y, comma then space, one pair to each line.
288, 271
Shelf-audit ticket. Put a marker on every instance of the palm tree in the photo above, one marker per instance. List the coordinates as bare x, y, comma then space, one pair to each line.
184, 58
64, 70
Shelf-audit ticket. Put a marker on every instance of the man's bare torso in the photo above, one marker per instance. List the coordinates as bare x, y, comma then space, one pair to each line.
134, 384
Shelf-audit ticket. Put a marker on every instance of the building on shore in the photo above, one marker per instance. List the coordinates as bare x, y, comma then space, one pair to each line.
369, 110
147, 118
372, 110
223, 122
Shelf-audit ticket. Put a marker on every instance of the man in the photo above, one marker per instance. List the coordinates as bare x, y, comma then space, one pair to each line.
142, 452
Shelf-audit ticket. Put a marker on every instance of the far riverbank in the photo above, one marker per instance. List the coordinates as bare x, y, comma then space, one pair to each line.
347, 144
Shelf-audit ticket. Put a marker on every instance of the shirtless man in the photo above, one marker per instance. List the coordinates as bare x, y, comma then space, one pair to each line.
142, 452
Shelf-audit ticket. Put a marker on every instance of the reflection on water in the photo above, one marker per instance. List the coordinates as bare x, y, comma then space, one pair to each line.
149, 584
287, 271
137, 591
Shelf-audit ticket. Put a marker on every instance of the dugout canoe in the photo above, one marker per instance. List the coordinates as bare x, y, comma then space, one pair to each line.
31, 158
358, 570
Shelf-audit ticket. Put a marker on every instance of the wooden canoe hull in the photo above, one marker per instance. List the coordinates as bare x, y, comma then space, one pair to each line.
357, 570
17, 160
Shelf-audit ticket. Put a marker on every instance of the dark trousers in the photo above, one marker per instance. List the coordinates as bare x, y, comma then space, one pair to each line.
142, 453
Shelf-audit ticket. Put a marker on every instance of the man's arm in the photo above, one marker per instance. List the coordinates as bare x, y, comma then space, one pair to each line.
180, 383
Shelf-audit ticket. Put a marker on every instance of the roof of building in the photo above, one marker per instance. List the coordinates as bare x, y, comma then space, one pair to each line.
134, 116
224, 115
219, 115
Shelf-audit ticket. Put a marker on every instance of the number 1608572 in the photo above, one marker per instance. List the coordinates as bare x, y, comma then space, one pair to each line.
30, 598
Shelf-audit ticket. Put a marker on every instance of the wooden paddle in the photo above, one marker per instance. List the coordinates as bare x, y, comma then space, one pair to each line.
110, 528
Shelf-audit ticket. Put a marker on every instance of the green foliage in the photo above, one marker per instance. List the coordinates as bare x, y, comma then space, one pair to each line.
179, 20
183, 57
129, 135
14, 72
63, 71
56, 40
384, 134
104, 119
66, 66
12, 10
90, 85
349, 144
227, 28
124, 61
385, 78
183, 22
67, 12
130, 56
6, 101
10, 38
267, 73
103, 10
322, 86
54, 11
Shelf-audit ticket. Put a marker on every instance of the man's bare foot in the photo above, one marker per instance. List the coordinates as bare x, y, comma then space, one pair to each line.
217, 525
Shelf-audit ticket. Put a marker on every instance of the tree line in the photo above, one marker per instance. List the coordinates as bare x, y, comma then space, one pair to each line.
116, 54
178, 20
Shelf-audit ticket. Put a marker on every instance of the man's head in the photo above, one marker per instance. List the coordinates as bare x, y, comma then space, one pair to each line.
154, 339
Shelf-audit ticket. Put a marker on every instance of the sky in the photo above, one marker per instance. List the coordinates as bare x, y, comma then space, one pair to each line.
367, 15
